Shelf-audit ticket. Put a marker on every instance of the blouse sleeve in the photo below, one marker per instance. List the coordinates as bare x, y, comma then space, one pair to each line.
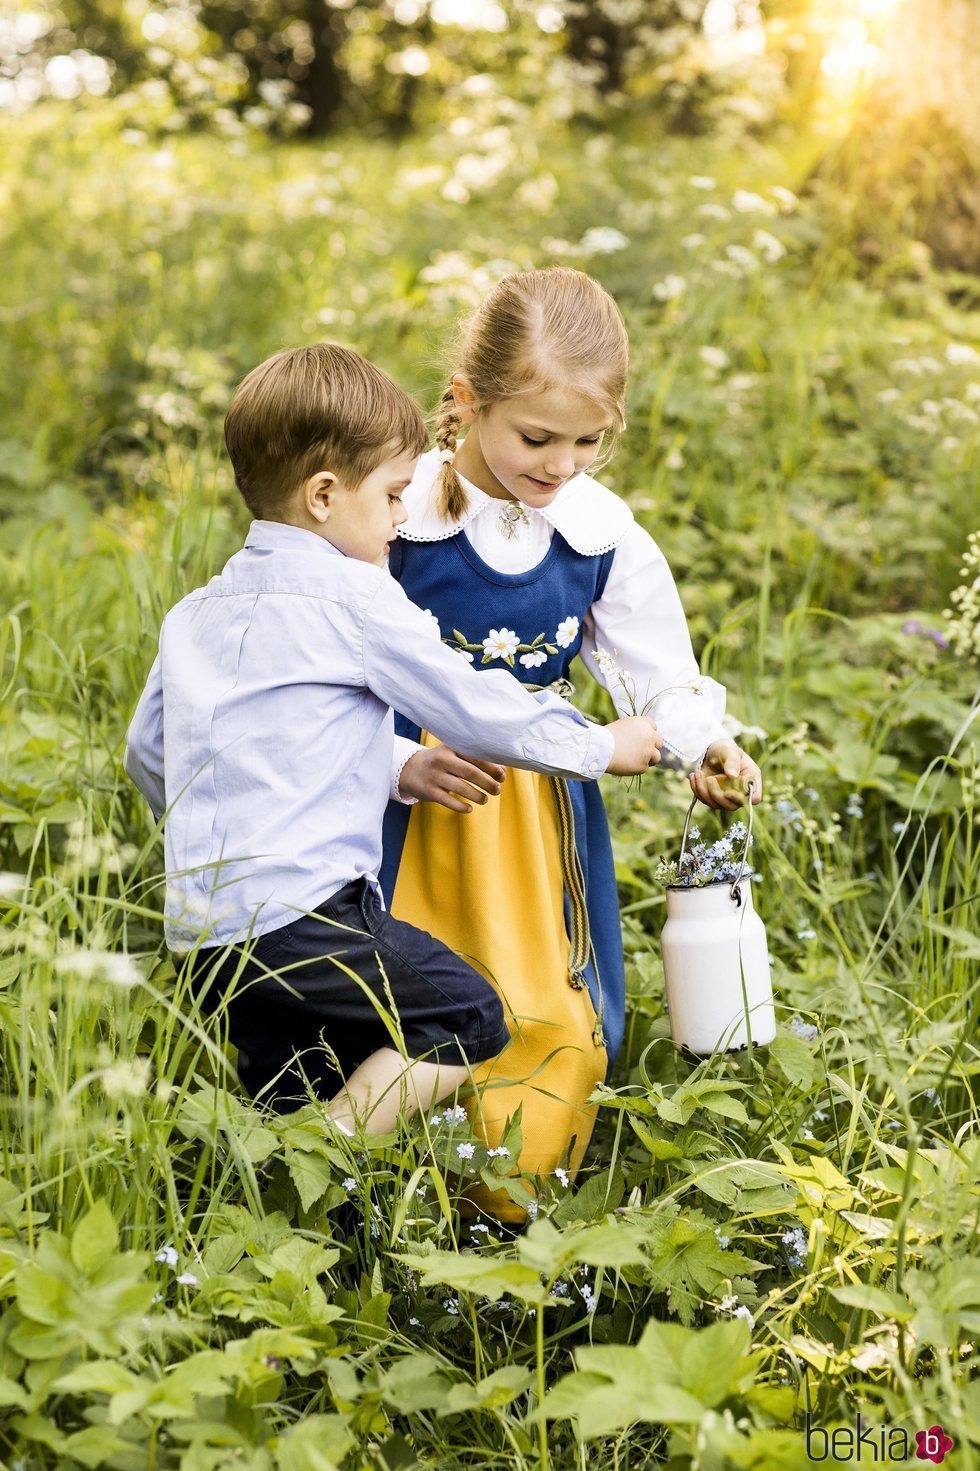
635, 642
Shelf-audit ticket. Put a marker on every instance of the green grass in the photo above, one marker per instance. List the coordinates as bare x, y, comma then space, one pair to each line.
812, 493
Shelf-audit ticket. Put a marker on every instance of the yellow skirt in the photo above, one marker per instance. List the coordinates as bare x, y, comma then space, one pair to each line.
489, 884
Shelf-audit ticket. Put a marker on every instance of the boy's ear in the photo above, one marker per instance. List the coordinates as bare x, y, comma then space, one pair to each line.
317, 492
464, 398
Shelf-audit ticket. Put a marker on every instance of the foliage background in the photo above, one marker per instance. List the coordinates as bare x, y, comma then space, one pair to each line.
189, 1282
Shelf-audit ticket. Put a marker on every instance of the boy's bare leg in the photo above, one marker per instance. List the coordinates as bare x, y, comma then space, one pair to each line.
386, 1085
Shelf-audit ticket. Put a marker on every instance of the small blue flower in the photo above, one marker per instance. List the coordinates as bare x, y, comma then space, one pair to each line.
803, 1029
465, 1151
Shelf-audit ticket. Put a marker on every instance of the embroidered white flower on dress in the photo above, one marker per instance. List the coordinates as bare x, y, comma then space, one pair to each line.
532, 660
501, 643
566, 631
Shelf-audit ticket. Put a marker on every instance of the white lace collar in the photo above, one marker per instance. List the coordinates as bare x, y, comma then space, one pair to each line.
591, 518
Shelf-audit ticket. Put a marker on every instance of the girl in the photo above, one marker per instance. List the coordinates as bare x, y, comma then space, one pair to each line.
525, 560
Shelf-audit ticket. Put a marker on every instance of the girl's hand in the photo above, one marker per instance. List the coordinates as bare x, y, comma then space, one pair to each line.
723, 777
440, 774
637, 743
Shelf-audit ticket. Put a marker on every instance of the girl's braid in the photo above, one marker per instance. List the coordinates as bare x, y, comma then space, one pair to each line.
452, 496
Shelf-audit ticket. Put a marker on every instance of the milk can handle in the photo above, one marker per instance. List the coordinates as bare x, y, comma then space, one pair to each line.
736, 895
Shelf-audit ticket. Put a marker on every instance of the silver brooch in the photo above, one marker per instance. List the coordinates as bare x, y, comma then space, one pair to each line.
511, 517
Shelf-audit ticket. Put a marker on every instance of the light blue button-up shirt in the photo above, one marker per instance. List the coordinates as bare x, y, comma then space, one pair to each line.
265, 732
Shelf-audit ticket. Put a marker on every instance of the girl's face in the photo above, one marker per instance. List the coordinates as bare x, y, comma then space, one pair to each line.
528, 447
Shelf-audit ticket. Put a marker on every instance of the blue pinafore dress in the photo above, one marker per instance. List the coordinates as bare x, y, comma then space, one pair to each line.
524, 887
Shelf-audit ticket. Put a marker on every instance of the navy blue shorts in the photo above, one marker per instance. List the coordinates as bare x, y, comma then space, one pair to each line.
290, 1001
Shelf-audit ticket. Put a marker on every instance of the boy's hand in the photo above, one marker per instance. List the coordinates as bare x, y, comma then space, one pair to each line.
440, 774
723, 777
637, 747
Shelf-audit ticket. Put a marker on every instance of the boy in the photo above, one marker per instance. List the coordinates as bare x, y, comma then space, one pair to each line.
265, 735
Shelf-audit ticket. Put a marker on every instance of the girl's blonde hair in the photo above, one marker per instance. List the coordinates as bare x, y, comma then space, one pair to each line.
536, 330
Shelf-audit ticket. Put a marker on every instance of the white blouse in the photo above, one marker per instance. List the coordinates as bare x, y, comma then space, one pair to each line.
635, 639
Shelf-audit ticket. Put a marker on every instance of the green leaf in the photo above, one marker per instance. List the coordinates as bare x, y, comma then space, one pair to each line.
492, 1277
318, 1443
498, 1389
99, 1376
795, 1059
96, 1446
416, 1382
310, 1173
95, 1239
599, 1195
875, 1300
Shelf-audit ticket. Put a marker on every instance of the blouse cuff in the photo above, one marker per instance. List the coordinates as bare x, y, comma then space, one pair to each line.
403, 752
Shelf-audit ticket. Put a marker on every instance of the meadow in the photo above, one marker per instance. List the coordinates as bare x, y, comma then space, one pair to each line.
191, 1283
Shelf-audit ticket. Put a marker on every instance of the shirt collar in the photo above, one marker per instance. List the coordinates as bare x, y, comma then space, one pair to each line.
281, 536
591, 518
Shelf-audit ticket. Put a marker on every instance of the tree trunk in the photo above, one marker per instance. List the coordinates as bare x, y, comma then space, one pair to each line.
323, 89
930, 61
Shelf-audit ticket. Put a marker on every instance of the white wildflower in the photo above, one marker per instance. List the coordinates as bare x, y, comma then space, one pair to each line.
714, 357
186, 1279
670, 288
602, 240
100, 965
961, 355
785, 197
768, 246
561, 1176
701, 181
746, 202
501, 1152
456, 1114
11, 884
167, 1255
465, 1151
127, 1078
742, 257
692, 241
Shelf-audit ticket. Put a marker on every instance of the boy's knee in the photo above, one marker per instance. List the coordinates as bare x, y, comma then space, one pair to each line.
491, 1030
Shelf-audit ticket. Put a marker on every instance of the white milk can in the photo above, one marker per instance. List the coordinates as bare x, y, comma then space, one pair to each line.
716, 963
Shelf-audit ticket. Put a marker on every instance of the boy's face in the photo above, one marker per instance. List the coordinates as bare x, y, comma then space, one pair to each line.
529, 446
361, 521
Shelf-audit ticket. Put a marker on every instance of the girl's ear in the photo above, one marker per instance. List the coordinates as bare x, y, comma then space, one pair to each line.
464, 398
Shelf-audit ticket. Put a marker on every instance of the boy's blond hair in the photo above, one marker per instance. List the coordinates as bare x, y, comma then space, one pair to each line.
315, 408
535, 330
